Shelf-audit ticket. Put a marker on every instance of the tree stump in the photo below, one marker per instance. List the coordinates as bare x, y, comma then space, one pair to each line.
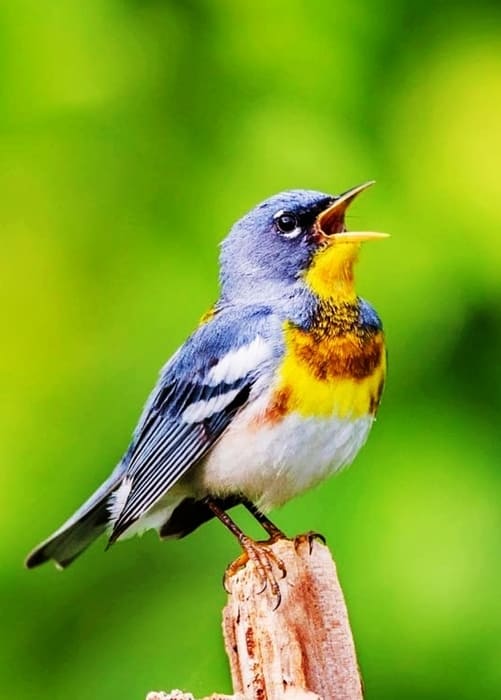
302, 650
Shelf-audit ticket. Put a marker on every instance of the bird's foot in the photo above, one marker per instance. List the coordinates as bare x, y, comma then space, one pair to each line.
308, 537
264, 560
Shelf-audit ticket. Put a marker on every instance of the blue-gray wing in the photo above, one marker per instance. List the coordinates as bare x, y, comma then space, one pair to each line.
226, 362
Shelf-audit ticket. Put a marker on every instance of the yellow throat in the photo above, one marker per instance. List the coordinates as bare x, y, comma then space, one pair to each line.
330, 274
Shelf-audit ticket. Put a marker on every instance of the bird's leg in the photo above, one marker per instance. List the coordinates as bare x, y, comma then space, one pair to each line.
273, 531
259, 553
276, 534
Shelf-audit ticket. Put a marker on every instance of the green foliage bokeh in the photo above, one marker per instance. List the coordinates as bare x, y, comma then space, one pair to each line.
132, 134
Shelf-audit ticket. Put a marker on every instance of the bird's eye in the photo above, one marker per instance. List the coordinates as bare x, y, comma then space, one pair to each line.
287, 224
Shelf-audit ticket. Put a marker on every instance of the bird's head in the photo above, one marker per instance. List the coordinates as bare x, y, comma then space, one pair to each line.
298, 236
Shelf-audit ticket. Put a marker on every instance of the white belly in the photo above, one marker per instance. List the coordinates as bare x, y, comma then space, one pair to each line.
270, 464
267, 464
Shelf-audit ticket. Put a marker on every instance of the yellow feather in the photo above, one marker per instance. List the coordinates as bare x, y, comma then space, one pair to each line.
340, 375
330, 274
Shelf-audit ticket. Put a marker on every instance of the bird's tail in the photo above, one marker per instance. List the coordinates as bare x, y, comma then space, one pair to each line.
77, 533
67, 543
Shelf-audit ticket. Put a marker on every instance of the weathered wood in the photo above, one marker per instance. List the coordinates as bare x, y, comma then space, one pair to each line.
304, 649
305, 644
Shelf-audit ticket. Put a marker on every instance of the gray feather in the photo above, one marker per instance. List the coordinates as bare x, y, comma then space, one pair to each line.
77, 533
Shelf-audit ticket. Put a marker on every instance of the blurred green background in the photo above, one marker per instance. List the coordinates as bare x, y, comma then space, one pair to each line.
132, 135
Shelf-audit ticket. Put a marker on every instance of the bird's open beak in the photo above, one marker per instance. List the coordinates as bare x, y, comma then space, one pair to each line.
330, 223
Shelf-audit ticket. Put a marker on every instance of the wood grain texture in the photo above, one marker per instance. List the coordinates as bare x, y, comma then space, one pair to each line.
304, 649
306, 644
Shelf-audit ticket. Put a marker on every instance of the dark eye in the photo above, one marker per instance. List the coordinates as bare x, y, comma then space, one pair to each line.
286, 222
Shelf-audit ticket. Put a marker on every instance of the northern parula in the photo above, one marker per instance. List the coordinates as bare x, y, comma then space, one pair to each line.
276, 389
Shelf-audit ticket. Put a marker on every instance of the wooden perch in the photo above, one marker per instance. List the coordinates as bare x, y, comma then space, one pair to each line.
304, 649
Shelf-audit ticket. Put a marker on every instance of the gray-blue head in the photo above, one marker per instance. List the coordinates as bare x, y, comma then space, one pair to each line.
280, 240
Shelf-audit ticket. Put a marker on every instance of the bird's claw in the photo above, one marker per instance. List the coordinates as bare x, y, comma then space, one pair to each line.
264, 559
308, 537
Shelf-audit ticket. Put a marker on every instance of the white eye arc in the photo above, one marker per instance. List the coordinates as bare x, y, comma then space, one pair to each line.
287, 224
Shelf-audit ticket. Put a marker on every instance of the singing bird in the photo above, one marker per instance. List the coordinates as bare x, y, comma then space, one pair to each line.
276, 389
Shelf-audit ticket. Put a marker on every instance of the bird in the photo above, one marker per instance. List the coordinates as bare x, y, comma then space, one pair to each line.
276, 389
